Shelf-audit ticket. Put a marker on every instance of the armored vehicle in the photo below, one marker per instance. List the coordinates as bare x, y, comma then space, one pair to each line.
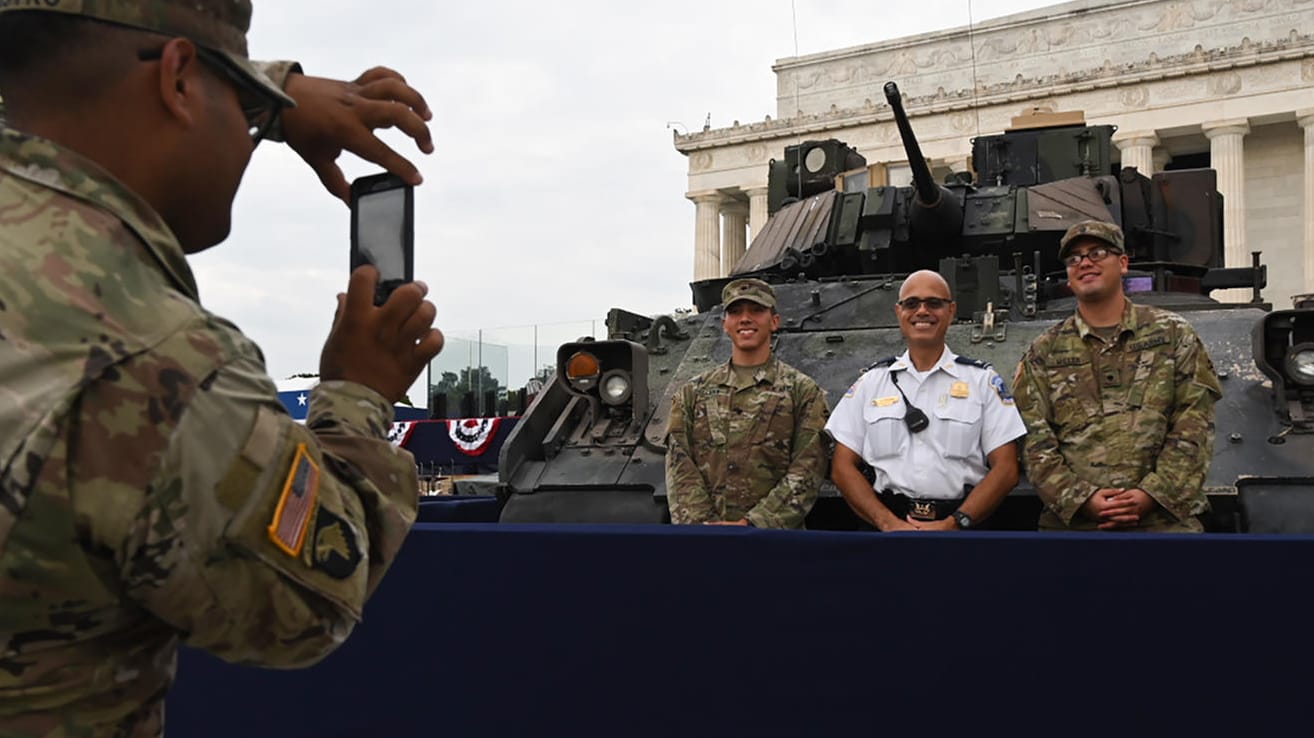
591, 446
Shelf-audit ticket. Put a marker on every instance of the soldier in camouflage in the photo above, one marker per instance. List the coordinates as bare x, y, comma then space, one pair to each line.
152, 487
744, 443
1118, 401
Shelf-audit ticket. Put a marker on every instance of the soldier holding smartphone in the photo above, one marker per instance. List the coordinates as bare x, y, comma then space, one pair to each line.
152, 488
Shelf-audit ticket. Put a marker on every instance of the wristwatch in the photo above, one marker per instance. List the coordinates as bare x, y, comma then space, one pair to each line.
963, 519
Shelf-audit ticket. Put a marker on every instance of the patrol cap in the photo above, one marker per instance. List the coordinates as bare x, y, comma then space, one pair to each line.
218, 25
1109, 233
753, 290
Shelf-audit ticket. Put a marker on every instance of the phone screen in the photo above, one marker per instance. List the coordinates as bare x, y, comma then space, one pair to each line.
380, 224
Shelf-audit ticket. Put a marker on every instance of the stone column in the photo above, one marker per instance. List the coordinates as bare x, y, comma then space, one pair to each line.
1137, 149
707, 234
1160, 159
1227, 157
757, 210
1306, 120
734, 234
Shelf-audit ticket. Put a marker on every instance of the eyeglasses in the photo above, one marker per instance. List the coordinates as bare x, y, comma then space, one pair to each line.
931, 303
258, 106
1097, 254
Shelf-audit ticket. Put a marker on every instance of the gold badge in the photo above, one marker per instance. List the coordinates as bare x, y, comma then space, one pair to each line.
921, 510
885, 401
958, 389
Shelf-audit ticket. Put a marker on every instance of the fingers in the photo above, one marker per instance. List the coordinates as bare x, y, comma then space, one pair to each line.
330, 175
360, 292
390, 102
429, 346
417, 325
385, 78
371, 148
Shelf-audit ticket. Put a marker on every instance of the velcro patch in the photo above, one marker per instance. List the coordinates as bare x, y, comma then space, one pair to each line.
997, 382
335, 551
295, 507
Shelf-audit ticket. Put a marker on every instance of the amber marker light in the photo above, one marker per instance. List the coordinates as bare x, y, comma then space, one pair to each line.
582, 370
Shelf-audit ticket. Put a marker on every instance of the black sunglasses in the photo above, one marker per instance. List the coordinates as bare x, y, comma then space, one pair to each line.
259, 107
932, 303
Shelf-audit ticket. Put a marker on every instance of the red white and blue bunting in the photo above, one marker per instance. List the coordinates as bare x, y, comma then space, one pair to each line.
472, 436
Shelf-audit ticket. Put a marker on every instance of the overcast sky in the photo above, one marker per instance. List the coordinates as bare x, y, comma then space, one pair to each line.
555, 192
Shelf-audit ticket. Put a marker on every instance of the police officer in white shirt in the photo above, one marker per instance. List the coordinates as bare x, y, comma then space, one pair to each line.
939, 430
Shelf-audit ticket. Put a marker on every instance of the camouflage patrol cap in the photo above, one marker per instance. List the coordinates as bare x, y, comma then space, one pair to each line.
753, 290
1109, 233
218, 25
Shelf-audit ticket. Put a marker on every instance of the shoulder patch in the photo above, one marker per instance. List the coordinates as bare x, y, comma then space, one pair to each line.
292, 515
334, 551
1001, 389
972, 362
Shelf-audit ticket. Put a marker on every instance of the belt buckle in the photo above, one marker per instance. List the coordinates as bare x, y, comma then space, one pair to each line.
921, 509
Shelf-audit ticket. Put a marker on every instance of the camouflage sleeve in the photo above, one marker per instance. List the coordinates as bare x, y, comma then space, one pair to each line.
686, 489
1179, 470
277, 72
1059, 487
789, 502
260, 538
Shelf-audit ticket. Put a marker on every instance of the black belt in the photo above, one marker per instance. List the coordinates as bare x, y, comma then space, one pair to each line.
916, 508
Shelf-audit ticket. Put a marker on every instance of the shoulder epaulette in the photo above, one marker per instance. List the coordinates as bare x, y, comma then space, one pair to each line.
881, 364
972, 362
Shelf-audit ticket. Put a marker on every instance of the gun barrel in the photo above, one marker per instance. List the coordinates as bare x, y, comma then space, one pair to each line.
928, 192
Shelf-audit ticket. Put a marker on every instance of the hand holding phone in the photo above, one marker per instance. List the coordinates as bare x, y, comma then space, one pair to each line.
383, 230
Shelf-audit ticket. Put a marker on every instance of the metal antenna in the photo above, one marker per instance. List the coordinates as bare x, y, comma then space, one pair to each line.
798, 138
971, 44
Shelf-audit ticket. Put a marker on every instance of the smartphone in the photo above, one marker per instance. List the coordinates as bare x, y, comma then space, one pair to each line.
383, 230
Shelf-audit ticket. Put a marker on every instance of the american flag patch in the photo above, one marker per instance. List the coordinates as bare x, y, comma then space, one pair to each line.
292, 517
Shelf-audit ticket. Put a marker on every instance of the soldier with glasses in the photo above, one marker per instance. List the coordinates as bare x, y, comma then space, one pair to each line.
1119, 403
937, 430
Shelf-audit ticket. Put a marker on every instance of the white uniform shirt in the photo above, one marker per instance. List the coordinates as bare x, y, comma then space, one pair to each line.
971, 414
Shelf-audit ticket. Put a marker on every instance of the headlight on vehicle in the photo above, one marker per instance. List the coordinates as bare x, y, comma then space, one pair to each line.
616, 387
1300, 364
582, 370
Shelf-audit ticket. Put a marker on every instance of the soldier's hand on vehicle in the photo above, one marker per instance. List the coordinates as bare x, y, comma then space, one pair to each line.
332, 115
741, 521
384, 348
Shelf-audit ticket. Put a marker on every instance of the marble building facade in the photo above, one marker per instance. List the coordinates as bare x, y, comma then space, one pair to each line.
1227, 84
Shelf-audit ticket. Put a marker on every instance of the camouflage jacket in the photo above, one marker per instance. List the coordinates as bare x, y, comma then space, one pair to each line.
152, 487
1136, 413
754, 452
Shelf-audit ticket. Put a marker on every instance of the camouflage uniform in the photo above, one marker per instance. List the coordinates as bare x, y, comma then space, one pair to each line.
152, 487
1136, 413
746, 451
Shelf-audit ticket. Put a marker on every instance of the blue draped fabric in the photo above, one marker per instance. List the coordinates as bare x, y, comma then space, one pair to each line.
507, 630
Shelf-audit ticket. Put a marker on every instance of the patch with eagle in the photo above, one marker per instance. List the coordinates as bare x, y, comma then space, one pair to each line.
334, 549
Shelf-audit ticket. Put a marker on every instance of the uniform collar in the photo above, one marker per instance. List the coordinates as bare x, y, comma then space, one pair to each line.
47, 164
766, 373
1130, 320
947, 362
